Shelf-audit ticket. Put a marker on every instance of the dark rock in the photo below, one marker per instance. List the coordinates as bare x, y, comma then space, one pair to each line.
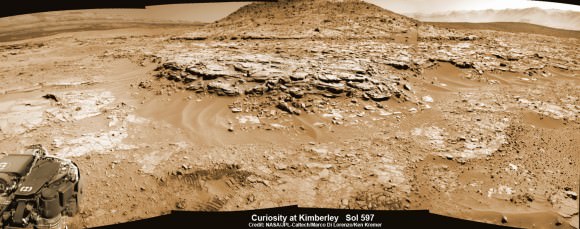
504, 219
53, 97
273, 84
284, 106
172, 66
398, 64
571, 194
188, 38
469, 38
174, 76
462, 64
145, 84
189, 78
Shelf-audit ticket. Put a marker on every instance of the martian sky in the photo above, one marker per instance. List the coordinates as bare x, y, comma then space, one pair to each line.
438, 6
209, 12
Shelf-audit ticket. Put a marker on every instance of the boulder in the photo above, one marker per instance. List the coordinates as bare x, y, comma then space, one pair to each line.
222, 89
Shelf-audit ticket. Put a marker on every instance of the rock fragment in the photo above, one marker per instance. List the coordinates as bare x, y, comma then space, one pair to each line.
222, 89
504, 219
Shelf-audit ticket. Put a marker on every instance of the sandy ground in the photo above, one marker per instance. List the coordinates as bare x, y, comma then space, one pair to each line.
481, 143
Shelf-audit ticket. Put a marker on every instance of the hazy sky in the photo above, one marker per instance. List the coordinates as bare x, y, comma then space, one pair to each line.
426, 6
209, 12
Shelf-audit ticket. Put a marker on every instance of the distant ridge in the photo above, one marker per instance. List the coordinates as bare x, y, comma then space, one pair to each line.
512, 27
569, 20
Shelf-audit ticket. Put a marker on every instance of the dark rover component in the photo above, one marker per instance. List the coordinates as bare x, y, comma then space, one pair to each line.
38, 190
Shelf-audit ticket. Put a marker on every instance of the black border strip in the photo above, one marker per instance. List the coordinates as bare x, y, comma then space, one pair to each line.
17, 7
242, 219
570, 2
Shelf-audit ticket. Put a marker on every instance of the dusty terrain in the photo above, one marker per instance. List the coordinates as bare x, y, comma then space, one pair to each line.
314, 103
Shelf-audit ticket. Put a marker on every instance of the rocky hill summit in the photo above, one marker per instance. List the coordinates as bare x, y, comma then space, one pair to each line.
311, 18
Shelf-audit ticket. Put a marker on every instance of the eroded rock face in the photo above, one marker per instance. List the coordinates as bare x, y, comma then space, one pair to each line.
292, 81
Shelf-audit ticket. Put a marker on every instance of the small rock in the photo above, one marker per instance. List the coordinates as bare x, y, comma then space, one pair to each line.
513, 167
384, 113
378, 96
504, 219
571, 194
427, 99
251, 198
280, 166
365, 86
344, 202
369, 107
50, 97
236, 110
324, 174
319, 150
180, 205
335, 88
319, 124
222, 89
296, 93
285, 107
277, 126
198, 87
299, 76
329, 78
